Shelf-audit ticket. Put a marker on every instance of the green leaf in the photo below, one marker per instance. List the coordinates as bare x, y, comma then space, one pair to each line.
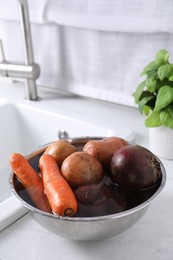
137, 94
152, 74
164, 98
171, 78
162, 56
144, 102
170, 109
151, 84
163, 71
153, 119
146, 110
166, 118
162, 83
153, 66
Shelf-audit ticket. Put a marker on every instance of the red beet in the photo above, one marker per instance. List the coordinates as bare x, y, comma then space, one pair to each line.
99, 200
135, 168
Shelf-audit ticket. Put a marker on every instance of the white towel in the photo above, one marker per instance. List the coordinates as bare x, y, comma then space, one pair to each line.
92, 48
108, 15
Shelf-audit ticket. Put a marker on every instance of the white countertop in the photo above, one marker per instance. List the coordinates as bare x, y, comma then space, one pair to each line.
150, 238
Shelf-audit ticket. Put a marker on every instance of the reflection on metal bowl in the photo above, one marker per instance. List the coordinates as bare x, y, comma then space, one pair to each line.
85, 228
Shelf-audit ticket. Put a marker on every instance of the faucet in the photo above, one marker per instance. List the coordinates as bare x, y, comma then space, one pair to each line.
29, 71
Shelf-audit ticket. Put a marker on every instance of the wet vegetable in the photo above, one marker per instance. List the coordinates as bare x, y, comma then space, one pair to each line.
60, 195
81, 168
104, 149
60, 150
99, 200
134, 167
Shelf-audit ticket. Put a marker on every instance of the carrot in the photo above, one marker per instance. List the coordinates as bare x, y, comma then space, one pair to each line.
30, 180
59, 193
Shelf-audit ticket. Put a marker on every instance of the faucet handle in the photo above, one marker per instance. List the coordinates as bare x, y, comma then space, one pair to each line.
2, 51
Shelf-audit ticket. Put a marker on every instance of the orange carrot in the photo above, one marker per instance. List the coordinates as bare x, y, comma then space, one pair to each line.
30, 180
59, 193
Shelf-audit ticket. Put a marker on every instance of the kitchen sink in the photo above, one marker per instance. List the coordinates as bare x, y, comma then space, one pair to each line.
24, 127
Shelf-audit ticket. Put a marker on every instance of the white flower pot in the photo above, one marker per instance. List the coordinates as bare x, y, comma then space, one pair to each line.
161, 142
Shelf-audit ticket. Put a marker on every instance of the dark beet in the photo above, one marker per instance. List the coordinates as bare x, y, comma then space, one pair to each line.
99, 200
135, 168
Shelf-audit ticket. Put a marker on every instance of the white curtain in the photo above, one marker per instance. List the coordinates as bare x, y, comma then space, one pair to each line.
91, 48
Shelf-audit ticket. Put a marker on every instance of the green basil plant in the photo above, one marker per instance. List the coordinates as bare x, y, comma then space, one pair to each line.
154, 95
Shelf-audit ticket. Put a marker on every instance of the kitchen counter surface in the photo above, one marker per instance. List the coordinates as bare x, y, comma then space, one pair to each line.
150, 238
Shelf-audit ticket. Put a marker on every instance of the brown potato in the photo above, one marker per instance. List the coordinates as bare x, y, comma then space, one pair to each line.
81, 168
104, 149
60, 150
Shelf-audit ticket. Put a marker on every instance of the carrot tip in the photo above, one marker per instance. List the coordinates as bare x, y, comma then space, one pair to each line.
68, 212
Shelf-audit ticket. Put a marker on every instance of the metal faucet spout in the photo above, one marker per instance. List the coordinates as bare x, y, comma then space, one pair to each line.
30, 84
30, 70
26, 32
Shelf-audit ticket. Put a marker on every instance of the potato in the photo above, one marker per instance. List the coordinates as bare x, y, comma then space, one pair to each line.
81, 168
60, 150
104, 149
